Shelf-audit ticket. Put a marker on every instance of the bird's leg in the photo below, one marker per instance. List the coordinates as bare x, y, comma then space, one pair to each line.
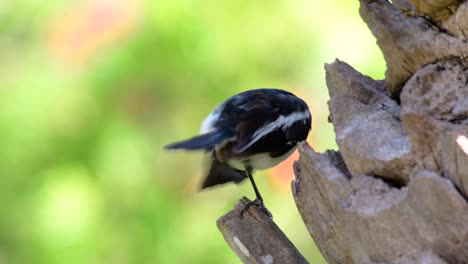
258, 200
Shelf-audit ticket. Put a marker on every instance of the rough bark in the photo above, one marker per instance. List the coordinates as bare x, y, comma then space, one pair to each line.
397, 189
362, 219
396, 192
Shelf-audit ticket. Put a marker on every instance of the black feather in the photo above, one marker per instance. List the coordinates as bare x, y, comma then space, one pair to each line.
221, 173
205, 141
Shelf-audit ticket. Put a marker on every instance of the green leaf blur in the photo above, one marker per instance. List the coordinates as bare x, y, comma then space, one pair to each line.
92, 90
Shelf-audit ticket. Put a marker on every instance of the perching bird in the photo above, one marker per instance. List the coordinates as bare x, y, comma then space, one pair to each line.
253, 130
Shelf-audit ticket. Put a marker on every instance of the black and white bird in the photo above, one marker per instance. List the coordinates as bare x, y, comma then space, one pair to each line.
253, 130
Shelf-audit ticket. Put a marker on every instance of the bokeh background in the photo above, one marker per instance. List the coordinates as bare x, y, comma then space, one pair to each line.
91, 91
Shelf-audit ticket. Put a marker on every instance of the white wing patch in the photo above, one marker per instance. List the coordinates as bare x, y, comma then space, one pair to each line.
282, 121
210, 120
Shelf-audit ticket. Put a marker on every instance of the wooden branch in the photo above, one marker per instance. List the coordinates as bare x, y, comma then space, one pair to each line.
255, 238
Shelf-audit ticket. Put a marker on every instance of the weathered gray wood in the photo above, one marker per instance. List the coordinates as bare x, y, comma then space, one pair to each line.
438, 147
457, 24
455, 159
364, 220
255, 238
361, 109
407, 42
437, 10
439, 90
410, 139
320, 187
434, 113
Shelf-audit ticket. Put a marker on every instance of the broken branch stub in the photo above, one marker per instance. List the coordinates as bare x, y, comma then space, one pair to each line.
367, 126
255, 238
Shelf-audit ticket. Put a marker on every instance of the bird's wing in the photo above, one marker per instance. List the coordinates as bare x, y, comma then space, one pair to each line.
254, 124
264, 128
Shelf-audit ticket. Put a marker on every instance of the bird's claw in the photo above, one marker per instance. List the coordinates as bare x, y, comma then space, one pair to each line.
260, 205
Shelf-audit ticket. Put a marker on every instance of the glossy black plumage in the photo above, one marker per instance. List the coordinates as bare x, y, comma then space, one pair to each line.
255, 129
221, 172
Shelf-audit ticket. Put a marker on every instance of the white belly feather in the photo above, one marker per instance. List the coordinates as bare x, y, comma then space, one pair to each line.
261, 161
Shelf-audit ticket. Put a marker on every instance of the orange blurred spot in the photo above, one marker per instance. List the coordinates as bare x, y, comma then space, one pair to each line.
76, 36
283, 173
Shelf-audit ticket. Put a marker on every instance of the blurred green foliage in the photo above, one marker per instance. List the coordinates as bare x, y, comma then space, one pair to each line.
92, 90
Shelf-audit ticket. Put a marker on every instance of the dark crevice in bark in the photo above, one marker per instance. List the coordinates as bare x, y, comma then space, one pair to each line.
338, 162
459, 120
457, 188
394, 183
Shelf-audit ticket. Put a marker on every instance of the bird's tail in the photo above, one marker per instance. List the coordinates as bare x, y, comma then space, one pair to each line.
206, 141
221, 173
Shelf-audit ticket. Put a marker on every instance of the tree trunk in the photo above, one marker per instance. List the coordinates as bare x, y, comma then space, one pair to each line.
396, 192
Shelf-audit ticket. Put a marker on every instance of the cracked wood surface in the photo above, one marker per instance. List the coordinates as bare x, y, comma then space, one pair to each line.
255, 238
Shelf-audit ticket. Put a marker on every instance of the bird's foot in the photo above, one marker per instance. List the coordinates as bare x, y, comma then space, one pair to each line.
259, 204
